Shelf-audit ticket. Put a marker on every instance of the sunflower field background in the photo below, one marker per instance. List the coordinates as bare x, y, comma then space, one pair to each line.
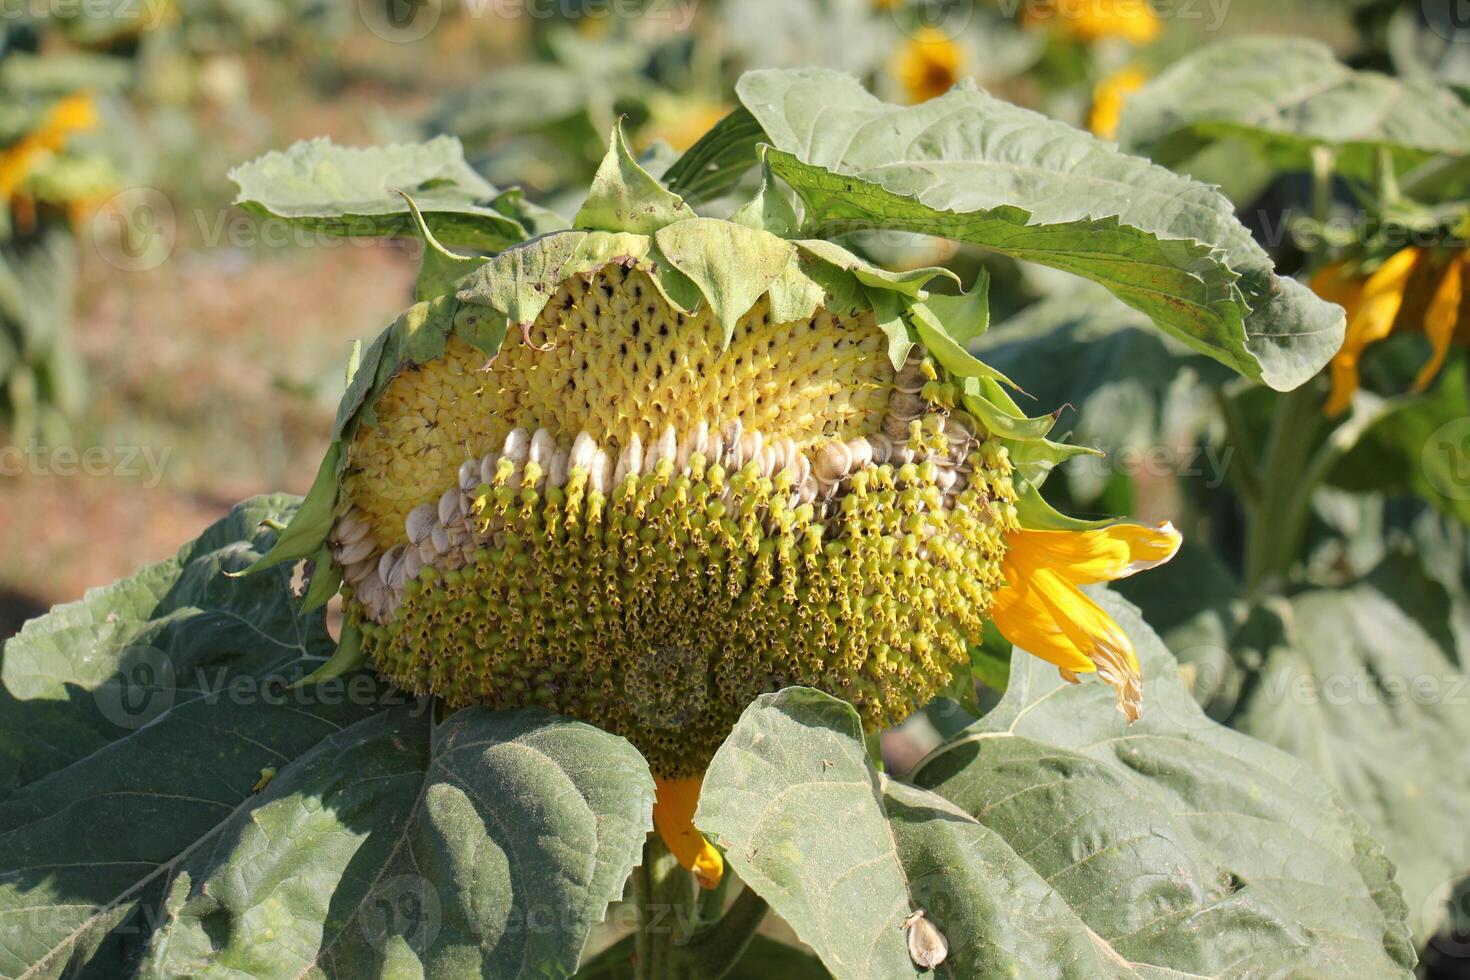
734, 488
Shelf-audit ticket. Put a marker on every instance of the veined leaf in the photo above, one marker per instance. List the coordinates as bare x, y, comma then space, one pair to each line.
339, 190
487, 845
1363, 683
973, 168
1289, 95
1051, 839
167, 792
135, 721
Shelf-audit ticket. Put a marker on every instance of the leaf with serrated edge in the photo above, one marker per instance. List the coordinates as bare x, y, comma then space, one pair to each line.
970, 167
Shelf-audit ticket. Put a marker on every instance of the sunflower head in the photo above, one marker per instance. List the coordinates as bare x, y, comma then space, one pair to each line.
928, 64
627, 513
646, 470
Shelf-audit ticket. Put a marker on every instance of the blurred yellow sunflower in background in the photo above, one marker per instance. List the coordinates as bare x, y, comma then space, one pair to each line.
1091, 20
73, 114
1417, 289
1108, 97
680, 120
928, 64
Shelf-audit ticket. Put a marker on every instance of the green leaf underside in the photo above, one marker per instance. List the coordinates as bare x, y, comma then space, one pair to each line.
352, 191
1360, 683
716, 162
1289, 95
1050, 839
137, 724
970, 167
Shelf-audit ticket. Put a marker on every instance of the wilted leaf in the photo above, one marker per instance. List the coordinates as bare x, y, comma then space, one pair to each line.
340, 190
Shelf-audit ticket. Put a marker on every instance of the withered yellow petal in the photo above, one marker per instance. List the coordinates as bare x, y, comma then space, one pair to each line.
1043, 611
673, 816
1442, 317
1371, 321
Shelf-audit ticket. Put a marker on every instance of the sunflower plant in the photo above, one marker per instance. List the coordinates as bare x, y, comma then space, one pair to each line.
642, 527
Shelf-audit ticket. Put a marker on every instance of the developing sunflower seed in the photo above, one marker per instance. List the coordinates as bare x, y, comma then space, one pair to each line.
928, 947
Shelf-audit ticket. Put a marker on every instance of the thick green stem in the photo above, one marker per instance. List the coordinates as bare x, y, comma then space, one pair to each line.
1244, 468
665, 896
667, 945
1277, 516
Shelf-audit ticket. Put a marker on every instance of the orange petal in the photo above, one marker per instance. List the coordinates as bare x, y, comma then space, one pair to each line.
673, 815
1374, 317
1441, 319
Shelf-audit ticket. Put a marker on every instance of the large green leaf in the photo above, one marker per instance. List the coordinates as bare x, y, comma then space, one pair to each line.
484, 846
974, 168
134, 722
1363, 683
1051, 839
339, 190
1289, 96
140, 823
